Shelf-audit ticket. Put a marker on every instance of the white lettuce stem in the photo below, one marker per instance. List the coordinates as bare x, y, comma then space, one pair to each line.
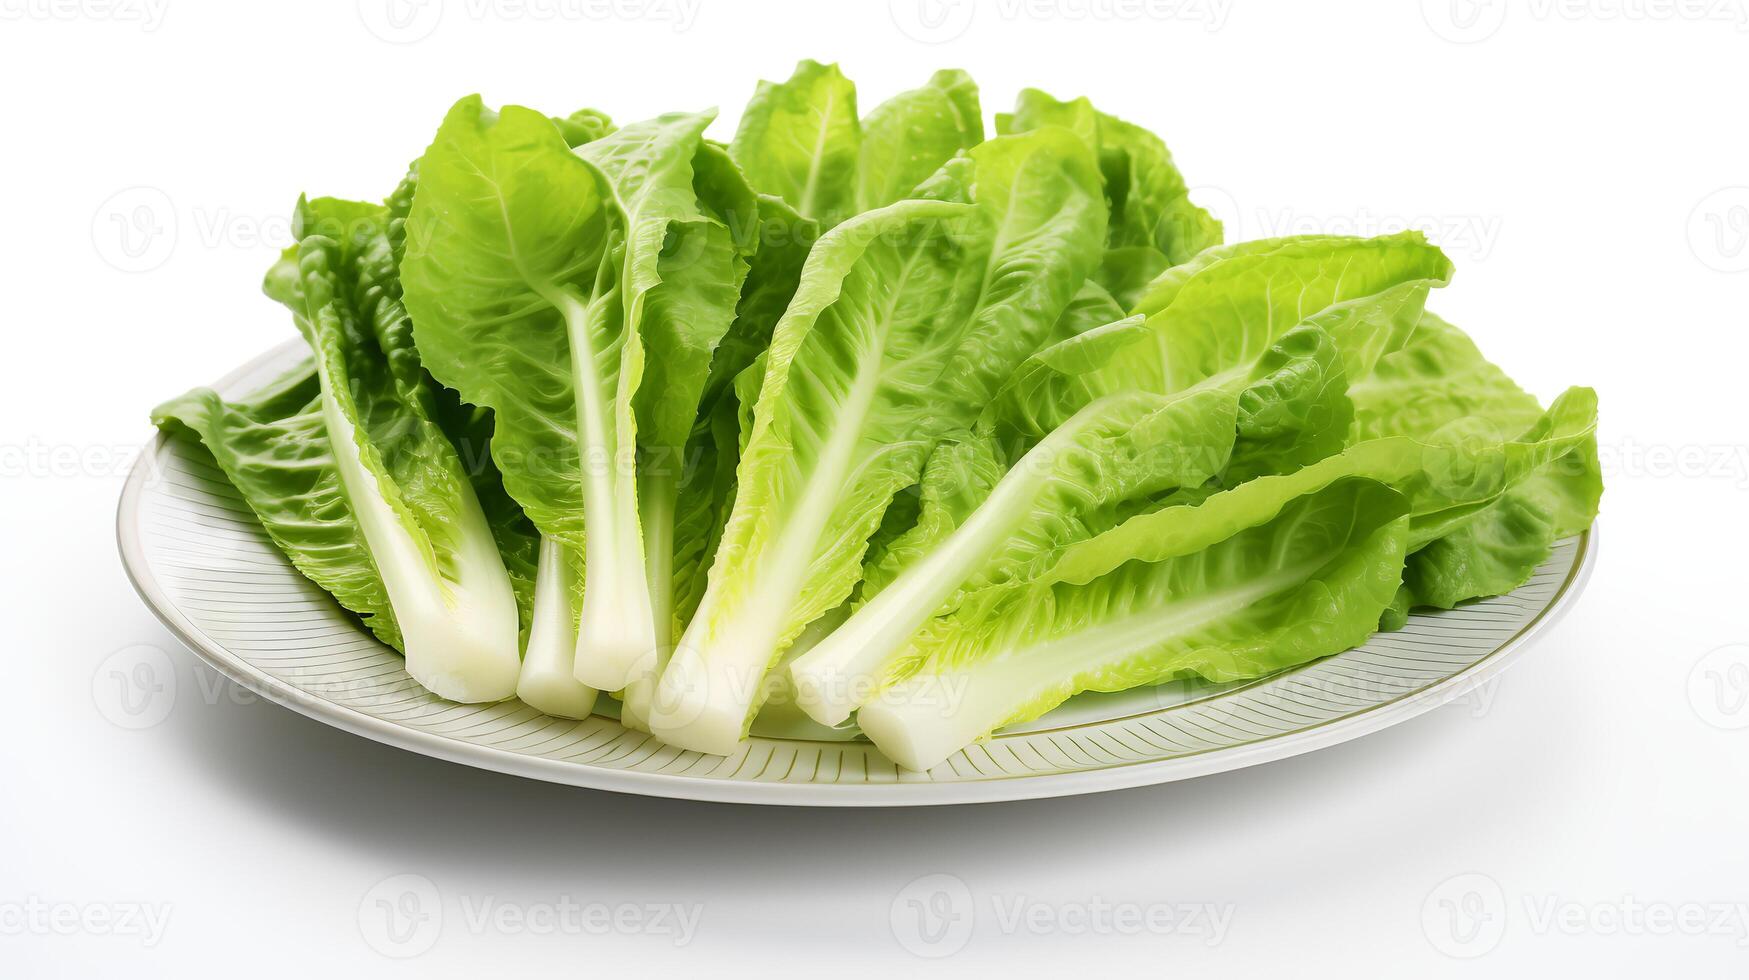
615, 633
657, 493
460, 636
707, 692
547, 683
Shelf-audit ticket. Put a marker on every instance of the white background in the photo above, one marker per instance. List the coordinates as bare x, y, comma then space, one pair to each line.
1585, 163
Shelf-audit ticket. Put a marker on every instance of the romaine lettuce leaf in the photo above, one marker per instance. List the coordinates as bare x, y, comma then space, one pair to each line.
702, 264
1439, 386
360, 485
799, 140
529, 270
1300, 577
780, 242
273, 447
546, 575
908, 137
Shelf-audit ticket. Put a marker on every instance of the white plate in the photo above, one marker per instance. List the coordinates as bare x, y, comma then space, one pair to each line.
202, 563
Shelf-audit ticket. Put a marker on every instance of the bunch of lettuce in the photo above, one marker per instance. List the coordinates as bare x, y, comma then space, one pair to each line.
870, 416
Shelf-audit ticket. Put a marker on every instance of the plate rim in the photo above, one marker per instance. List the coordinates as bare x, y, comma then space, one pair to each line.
701, 788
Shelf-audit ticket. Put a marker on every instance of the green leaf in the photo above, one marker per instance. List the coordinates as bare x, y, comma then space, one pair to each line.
800, 140
1295, 409
546, 575
1150, 205
529, 271
774, 241
1439, 387
1126, 272
1220, 315
361, 485
783, 240
1093, 306
583, 126
959, 477
1303, 576
1438, 377
701, 265
1447, 478
706, 500
908, 137
273, 447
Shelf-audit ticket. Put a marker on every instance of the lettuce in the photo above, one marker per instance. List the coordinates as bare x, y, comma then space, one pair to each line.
870, 417
537, 277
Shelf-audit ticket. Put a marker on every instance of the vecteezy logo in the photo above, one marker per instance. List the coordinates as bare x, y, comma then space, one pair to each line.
932, 21
401, 916
1465, 916
1718, 230
135, 687
932, 917
134, 230
1464, 21
400, 21
1718, 687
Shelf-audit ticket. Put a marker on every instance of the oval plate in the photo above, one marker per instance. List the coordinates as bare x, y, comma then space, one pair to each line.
197, 556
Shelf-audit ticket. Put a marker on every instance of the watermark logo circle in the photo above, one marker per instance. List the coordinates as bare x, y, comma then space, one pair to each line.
1718, 230
1223, 207
932, 21
681, 694
1464, 21
1464, 916
401, 21
134, 229
932, 916
1718, 687
135, 687
401, 916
